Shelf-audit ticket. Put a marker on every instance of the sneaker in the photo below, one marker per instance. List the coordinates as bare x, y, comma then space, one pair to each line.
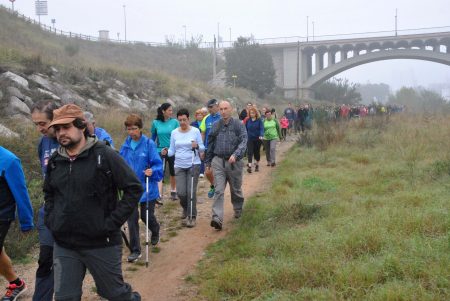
154, 239
14, 291
256, 168
174, 196
249, 169
237, 213
273, 164
159, 201
211, 191
134, 257
268, 163
191, 223
184, 214
216, 223
201, 175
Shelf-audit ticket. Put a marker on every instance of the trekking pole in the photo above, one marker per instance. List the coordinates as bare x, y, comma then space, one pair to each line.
192, 179
146, 219
162, 181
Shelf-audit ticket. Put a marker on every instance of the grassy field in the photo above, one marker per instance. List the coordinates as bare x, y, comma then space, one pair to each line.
361, 216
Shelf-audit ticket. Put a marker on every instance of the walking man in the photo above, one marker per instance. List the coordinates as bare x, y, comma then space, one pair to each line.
289, 114
42, 116
82, 209
13, 191
205, 128
227, 142
99, 132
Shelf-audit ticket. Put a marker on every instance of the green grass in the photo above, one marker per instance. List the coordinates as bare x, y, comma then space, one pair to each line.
349, 222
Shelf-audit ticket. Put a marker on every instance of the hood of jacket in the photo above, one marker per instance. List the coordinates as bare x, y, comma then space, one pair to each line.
90, 142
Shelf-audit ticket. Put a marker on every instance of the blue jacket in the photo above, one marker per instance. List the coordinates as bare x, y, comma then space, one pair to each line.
13, 190
145, 153
103, 135
46, 148
255, 129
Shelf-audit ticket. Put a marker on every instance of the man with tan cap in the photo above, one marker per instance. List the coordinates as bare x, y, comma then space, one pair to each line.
82, 209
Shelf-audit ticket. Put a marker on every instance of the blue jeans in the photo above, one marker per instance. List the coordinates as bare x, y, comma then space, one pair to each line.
202, 167
44, 275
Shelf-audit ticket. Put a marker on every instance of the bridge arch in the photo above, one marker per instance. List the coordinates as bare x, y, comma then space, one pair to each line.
432, 56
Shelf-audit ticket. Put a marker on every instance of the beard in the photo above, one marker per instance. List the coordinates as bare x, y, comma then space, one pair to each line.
69, 143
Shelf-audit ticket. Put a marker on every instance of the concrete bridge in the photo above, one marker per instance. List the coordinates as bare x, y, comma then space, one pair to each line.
319, 61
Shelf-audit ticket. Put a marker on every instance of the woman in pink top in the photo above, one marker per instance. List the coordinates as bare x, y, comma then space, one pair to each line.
363, 111
284, 125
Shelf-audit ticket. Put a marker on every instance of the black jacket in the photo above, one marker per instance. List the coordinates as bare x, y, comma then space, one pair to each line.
243, 114
78, 208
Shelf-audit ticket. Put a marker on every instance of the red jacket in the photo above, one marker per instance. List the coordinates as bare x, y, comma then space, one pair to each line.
284, 123
344, 112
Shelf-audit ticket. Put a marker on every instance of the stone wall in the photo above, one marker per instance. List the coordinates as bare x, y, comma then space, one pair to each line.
278, 63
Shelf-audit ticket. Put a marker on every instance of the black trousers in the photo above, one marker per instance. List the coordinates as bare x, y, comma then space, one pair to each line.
133, 224
254, 149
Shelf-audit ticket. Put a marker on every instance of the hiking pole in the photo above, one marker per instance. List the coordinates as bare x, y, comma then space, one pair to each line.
162, 181
146, 218
192, 179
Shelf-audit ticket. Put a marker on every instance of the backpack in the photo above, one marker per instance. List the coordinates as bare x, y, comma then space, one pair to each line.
235, 127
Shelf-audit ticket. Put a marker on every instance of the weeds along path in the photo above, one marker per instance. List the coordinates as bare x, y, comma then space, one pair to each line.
164, 279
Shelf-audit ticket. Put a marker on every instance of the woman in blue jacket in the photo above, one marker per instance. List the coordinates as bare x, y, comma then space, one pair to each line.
255, 131
140, 151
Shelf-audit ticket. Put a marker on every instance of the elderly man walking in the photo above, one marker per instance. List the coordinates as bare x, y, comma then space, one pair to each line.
227, 142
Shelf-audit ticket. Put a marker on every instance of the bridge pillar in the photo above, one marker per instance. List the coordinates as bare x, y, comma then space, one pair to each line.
355, 52
332, 58
447, 48
308, 65
343, 55
437, 48
319, 61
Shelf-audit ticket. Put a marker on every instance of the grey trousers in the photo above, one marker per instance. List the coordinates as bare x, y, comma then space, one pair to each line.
184, 183
270, 146
105, 265
231, 173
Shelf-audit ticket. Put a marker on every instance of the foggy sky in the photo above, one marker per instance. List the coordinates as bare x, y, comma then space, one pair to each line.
150, 20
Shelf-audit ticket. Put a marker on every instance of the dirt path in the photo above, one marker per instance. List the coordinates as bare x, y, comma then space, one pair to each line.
164, 280
180, 248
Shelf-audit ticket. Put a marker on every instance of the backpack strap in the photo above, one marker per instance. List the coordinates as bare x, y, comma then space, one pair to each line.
103, 165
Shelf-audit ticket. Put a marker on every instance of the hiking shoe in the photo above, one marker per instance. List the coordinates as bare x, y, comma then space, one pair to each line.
134, 257
184, 214
268, 163
173, 196
14, 291
191, 223
237, 213
249, 169
256, 168
159, 201
216, 223
211, 191
154, 239
201, 175
273, 164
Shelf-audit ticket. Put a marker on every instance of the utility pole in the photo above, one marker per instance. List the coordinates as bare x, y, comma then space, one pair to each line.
218, 35
396, 21
125, 18
184, 36
230, 38
307, 31
214, 58
298, 71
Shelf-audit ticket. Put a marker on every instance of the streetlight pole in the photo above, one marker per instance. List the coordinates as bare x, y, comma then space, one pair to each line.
125, 18
313, 30
307, 31
396, 21
234, 78
184, 36
230, 37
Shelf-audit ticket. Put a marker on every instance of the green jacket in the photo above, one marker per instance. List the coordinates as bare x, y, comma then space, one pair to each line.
272, 129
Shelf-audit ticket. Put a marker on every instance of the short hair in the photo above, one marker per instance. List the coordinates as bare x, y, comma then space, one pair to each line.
45, 106
89, 117
255, 110
249, 103
134, 119
182, 112
199, 111
268, 111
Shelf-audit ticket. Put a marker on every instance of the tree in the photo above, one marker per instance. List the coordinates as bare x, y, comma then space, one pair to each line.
411, 98
253, 66
374, 92
340, 90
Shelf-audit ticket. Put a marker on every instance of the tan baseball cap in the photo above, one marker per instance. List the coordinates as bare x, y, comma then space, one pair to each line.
67, 114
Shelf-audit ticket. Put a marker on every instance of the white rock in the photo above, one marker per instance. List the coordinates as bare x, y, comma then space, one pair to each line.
49, 93
54, 70
5, 132
124, 99
137, 105
15, 78
29, 102
119, 83
41, 81
13, 91
71, 98
95, 104
17, 105
169, 100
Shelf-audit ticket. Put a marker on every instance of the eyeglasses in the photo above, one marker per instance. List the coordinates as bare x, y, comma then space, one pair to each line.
132, 129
